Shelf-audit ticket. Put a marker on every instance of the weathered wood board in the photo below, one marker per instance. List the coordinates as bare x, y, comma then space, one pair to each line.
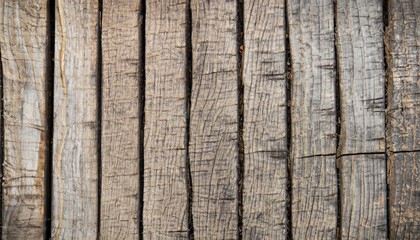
120, 125
165, 199
23, 37
313, 119
361, 79
403, 131
75, 166
214, 121
265, 122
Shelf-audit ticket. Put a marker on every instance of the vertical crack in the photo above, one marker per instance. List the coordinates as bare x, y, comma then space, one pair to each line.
188, 88
1, 144
49, 117
99, 113
240, 165
288, 70
141, 114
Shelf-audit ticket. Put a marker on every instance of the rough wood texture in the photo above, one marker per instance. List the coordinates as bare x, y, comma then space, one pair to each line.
75, 173
120, 124
362, 119
165, 200
403, 131
23, 44
265, 122
214, 123
314, 188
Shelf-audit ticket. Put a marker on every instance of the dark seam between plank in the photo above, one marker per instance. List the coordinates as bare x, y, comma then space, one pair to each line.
141, 101
288, 70
99, 114
240, 48
49, 118
359, 154
1, 144
188, 88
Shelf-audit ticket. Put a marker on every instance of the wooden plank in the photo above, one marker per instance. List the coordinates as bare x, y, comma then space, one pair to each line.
265, 122
165, 200
75, 166
313, 116
403, 133
120, 124
362, 119
214, 121
23, 38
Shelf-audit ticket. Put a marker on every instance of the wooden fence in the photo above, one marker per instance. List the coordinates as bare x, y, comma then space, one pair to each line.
210, 119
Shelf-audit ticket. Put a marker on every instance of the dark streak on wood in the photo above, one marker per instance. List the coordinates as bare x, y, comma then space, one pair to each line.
2, 150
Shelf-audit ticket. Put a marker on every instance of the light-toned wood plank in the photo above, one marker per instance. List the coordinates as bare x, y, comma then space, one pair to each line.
165, 199
403, 131
75, 166
23, 38
120, 124
362, 119
265, 122
313, 116
214, 121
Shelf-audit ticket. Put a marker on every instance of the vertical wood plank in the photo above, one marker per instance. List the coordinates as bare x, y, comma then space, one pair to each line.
265, 121
313, 116
120, 124
75, 173
362, 119
403, 132
23, 37
214, 123
165, 200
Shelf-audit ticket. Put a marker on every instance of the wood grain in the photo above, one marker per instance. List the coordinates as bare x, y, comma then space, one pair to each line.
75, 166
23, 38
214, 121
265, 122
165, 199
120, 124
313, 119
403, 131
362, 119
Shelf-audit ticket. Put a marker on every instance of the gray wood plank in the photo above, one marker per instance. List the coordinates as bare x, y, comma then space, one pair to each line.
362, 119
120, 123
23, 35
214, 123
403, 132
313, 116
265, 122
75, 166
165, 199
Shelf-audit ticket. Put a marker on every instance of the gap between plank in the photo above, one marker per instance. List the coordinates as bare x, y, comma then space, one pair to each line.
240, 165
99, 113
1, 145
49, 117
188, 88
288, 71
141, 96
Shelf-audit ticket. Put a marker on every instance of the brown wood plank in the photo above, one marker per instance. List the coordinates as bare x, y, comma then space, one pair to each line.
313, 116
165, 200
403, 132
75, 166
120, 124
362, 119
265, 122
23, 38
214, 123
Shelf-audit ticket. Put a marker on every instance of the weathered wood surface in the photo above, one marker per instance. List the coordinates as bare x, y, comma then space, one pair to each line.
23, 36
75, 166
120, 124
214, 123
362, 119
313, 119
265, 122
403, 131
165, 200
